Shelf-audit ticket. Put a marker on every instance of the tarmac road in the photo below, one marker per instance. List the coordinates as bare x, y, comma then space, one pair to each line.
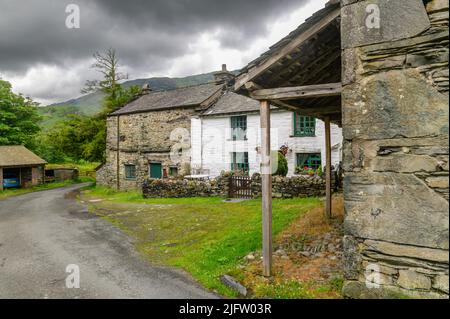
42, 233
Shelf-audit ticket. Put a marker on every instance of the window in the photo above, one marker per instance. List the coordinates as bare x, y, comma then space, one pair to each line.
173, 171
239, 162
239, 128
304, 126
130, 171
155, 170
312, 161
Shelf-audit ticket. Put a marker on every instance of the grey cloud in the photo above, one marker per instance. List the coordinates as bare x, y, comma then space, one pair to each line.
147, 34
33, 31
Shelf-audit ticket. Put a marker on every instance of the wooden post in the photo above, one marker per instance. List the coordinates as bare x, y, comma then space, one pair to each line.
266, 176
328, 166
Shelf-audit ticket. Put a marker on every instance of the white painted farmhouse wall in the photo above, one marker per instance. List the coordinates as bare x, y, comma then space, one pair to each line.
212, 145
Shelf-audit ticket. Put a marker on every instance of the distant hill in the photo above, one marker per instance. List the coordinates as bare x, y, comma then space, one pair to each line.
90, 104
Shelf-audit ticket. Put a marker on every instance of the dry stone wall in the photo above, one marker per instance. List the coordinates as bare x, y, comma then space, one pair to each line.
396, 154
282, 187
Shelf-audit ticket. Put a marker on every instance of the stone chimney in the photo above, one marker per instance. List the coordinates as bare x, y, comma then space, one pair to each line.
224, 76
146, 89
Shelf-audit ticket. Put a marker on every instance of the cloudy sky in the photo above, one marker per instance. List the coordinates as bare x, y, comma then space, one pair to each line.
44, 59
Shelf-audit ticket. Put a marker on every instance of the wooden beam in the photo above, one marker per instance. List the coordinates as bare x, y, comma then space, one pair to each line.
266, 176
319, 110
290, 47
298, 92
252, 86
328, 167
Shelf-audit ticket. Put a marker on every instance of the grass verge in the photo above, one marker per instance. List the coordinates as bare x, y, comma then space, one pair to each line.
205, 236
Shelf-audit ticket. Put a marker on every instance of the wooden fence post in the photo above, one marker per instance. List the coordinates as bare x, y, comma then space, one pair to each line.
328, 167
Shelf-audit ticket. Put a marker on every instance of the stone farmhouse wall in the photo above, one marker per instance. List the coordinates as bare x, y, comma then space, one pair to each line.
140, 139
396, 154
283, 187
212, 145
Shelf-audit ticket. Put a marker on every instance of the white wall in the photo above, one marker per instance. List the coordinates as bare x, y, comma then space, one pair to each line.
212, 145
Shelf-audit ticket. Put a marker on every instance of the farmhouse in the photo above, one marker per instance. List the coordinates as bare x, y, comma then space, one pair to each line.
19, 167
391, 98
226, 137
150, 137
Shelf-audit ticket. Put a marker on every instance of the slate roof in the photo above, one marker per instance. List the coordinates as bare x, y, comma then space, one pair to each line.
18, 156
160, 100
233, 103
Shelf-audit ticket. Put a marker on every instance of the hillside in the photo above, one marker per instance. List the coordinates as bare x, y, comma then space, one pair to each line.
90, 104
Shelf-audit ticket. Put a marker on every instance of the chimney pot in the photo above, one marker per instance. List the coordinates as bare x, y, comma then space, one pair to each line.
224, 76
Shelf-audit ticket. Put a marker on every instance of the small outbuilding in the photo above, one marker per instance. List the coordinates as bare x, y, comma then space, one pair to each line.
19, 167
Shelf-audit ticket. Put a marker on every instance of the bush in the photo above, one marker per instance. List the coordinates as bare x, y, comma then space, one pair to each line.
282, 169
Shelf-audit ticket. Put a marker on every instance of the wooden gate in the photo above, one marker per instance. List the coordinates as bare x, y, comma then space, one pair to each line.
240, 187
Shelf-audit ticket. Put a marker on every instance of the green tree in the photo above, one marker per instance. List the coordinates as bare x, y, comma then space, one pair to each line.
81, 137
108, 65
19, 117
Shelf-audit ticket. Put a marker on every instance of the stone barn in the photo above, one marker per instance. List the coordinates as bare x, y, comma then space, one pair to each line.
19, 167
378, 69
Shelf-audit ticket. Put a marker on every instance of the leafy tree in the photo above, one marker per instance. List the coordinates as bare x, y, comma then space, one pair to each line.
81, 137
19, 118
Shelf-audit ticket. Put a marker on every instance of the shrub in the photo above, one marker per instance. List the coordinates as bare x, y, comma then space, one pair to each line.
282, 169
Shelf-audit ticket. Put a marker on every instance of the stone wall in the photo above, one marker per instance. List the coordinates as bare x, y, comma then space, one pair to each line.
182, 188
140, 139
396, 154
283, 187
289, 187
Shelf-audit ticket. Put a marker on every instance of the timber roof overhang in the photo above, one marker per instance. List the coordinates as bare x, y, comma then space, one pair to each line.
302, 72
198, 96
18, 156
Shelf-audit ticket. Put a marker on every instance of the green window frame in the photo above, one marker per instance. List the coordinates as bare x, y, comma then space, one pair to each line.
238, 128
310, 160
304, 126
155, 170
130, 171
239, 161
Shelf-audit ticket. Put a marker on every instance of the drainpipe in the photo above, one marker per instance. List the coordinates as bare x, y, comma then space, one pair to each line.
118, 153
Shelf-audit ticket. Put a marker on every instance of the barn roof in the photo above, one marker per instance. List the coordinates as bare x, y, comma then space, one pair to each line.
181, 97
19, 155
285, 55
302, 72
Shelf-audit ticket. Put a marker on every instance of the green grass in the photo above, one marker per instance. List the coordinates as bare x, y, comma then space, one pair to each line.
19, 191
205, 236
293, 289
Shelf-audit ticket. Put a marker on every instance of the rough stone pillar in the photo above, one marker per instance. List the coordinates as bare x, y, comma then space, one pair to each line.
396, 154
1, 179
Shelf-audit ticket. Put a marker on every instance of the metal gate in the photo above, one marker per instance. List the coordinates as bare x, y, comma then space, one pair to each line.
240, 187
